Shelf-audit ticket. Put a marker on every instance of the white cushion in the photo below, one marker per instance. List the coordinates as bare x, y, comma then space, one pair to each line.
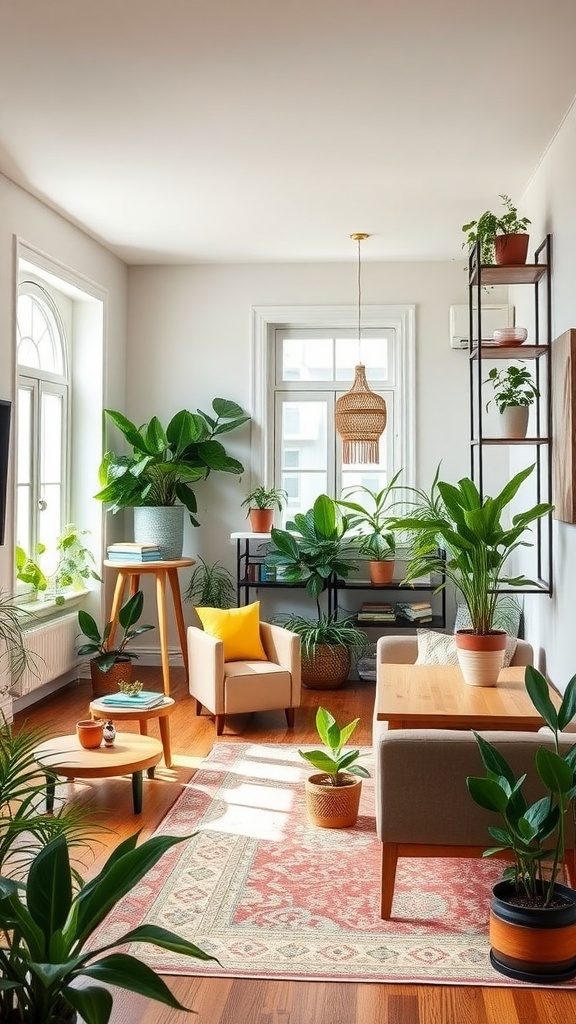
440, 648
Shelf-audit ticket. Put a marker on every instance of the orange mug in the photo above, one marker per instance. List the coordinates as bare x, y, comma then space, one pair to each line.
89, 732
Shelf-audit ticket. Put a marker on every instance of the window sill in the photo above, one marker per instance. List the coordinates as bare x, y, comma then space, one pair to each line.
48, 609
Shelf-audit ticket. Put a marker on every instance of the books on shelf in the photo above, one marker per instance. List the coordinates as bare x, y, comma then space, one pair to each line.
130, 551
142, 701
415, 611
376, 611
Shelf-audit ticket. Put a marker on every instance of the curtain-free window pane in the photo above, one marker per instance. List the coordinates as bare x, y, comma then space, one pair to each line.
23, 460
304, 432
306, 359
24, 517
39, 344
372, 352
302, 489
51, 443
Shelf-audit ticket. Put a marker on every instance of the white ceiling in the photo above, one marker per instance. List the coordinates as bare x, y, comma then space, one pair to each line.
184, 131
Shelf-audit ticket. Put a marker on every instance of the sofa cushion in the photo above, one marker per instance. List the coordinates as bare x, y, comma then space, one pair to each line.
238, 628
440, 648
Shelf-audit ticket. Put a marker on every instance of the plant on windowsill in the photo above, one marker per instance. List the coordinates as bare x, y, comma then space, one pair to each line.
314, 548
111, 664
74, 569
478, 545
502, 238
530, 897
333, 793
49, 927
377, 542
261, 503
514, 392
164, 465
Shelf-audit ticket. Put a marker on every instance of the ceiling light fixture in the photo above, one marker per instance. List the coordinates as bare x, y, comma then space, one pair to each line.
360, 414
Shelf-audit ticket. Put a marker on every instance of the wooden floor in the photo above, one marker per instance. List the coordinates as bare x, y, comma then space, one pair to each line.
233, 1001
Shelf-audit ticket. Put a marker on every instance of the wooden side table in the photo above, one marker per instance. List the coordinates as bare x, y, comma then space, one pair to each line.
162, 712
130, 572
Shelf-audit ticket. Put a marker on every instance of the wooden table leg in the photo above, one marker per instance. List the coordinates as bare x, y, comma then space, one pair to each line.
116, 603
137, 791
177, 598
143, 726
163, 628
164, 724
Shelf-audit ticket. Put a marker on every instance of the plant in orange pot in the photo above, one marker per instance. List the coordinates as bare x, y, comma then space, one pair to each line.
376, 541
262, 503
477, 545
502, 238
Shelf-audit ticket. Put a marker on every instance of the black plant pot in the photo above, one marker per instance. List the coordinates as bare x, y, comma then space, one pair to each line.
536, 944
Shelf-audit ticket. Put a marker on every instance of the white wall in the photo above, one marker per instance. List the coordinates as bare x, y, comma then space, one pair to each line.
550, 203
189, 341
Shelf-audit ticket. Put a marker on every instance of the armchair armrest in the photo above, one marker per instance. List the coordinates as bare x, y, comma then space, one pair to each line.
283, 648
206, 669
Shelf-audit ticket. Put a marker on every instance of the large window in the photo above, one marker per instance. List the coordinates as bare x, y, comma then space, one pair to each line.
43, 403
308, 368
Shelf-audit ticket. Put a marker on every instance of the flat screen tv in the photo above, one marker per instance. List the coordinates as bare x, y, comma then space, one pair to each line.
5, 414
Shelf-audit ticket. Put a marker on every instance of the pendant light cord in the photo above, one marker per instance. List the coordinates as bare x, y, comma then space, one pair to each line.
359, 306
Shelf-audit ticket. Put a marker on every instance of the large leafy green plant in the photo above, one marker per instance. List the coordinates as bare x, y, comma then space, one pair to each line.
477, 542
166, 461
46, 930
488, 225
334, 760
536, 833
98, 646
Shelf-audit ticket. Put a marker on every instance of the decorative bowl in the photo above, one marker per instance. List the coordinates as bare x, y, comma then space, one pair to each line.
130, 689
510, 335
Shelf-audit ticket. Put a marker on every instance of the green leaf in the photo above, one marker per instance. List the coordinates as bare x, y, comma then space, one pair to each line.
94, 1004
567, 709
488, 794
129, 973
49, 887
131, 610
539, 694
555, 773
321, 761
494, 761
225, 409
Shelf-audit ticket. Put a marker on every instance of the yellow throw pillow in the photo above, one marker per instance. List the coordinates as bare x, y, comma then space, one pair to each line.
238, 628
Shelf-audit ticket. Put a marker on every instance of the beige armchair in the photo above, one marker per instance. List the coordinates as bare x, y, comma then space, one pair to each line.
235, 687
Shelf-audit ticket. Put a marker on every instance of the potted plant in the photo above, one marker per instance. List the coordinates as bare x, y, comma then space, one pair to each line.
530, 898
74, 568
377, 541
333, 792
50, 924
314, 549
211, 586
111, 664
477, 546
261, 503
502, 238
514, 392
163, 466
15, 657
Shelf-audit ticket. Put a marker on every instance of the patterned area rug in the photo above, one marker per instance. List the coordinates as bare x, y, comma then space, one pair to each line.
274, 897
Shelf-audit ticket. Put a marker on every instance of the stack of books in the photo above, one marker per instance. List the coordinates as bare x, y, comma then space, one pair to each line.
415, 611
142, 701
376, 611
130, 551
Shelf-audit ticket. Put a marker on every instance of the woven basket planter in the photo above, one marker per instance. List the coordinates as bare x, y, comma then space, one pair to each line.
332, 806
326, 668
107, 682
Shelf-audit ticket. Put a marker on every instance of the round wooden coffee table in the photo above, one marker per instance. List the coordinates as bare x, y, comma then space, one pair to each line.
162, 712
130, 753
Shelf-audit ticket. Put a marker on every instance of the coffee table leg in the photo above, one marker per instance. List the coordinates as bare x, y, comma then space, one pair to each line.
164, 724
137, 791
50, 791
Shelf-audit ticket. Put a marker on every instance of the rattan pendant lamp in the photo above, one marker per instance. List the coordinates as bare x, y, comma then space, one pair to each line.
360, 414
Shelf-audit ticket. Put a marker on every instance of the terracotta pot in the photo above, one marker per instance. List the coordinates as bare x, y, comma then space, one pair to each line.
511, 250
107, 682
326, 668
261, 519
514, 421
533, 943
90, 732
480, 656
381, 572
330, 806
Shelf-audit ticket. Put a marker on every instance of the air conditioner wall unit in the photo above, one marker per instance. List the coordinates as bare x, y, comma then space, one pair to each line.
493, 317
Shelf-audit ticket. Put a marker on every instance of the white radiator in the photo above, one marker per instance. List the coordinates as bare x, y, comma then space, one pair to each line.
52, 648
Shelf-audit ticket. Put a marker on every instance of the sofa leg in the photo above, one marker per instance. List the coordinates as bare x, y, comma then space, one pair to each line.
389, 862
290, 717
220, 724
198, 707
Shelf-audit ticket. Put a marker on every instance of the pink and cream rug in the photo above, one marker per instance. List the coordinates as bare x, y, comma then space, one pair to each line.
273, 897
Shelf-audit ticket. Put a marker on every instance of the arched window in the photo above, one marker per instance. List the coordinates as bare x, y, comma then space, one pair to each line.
43, 403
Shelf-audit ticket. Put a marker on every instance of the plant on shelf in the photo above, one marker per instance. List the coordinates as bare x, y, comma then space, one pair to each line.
534, 835
261, 503
477, 546
103, 656
74, 568
377, 542
166, 462
50, 925
314, 549
514, 391
337, 771
211, 586
490, 226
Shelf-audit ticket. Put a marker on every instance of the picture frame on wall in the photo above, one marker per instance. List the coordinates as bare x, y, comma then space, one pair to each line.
564, 426
5, 418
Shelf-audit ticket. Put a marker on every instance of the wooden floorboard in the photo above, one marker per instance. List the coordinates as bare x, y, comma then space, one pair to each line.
240, 1001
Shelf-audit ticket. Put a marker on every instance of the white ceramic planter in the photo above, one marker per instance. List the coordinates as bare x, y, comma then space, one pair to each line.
514, 421
161, 525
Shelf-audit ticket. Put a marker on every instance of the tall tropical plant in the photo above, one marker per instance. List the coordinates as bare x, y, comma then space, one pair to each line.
477, 542
166, 461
